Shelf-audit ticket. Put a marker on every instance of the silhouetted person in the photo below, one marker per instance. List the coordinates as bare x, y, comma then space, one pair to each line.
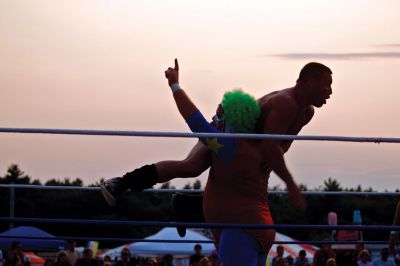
384, 260
87, 259
279, 254
196, 257
126, 258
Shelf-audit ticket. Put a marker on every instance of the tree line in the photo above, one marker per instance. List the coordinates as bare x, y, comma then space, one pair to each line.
79, 204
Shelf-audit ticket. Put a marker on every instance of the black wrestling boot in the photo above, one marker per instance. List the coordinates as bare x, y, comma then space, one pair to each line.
137, 180
187, 208
112, 188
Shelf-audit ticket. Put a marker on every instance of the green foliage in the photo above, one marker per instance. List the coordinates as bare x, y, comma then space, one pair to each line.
167, 185
67, 182
197, 184
15, 175
80, 204
187, 186
332, 185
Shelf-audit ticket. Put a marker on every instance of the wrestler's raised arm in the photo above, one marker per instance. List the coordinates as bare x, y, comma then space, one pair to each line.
185, 106
223, 147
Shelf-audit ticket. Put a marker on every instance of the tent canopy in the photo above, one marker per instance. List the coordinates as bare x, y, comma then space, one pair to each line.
187, 249
24, 232
157, 248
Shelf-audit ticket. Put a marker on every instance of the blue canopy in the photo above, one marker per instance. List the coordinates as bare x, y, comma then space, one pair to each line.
24, 232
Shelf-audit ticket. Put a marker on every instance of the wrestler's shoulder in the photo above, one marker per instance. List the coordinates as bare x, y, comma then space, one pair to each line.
281, 102
278, 97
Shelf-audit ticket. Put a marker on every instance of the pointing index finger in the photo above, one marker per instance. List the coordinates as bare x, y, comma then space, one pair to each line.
176, 64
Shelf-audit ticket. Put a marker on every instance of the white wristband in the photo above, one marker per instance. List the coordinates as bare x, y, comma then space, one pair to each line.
175, 87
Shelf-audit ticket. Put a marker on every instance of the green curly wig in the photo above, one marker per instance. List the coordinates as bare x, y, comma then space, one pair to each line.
241, 110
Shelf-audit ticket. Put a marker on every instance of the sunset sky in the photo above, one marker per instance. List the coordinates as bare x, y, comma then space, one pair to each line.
99, 65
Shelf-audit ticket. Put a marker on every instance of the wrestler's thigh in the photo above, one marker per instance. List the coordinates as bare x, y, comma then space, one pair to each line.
238, 248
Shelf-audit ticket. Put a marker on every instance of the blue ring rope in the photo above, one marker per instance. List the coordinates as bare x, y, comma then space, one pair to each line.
201, 225
194, 135
114, 239
272, 192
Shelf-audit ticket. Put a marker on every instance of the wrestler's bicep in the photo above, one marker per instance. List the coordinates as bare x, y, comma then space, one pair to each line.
200, 156
197, 123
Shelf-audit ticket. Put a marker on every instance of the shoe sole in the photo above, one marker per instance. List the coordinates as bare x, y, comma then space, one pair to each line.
108, 196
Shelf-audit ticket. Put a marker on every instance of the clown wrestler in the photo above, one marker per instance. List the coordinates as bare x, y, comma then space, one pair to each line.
236, 190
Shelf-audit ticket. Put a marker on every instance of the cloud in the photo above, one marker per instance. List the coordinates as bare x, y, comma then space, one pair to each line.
341, 56
392, 45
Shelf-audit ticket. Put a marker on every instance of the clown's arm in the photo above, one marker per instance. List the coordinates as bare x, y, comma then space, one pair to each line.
223, 147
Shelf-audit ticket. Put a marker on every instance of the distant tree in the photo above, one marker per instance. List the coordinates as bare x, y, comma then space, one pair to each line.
197, 184
65, 182
275, 188
187, 186
156, 207
332, 185
77, 182
97, 183
167, 185
36, 182
15, 175
303, 187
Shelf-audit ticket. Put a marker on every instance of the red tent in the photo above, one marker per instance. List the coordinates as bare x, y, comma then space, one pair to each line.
34, 259
292, 249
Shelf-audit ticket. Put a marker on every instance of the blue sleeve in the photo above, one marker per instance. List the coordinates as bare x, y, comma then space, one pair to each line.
223, 147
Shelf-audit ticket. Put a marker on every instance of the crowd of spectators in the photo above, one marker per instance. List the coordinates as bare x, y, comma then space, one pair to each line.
71, 257
326, 256
15, 256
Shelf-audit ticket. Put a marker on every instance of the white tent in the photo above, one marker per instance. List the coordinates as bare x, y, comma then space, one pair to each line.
187, 249
160, 248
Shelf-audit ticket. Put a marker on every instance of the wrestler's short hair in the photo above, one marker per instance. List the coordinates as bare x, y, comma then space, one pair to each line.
314, 70
241, 111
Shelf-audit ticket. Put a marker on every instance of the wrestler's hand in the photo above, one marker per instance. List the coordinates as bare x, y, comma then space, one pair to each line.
392, 243
172, 74
295, 194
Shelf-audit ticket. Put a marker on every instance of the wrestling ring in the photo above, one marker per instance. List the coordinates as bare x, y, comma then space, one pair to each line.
21, 220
